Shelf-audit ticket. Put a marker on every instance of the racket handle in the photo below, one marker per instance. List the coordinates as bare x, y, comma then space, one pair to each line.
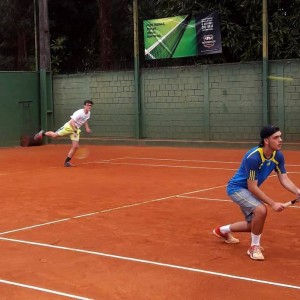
290, 202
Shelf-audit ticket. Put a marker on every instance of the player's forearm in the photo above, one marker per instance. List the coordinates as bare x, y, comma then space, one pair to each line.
87, 127
289, 185
259, 194
266, 199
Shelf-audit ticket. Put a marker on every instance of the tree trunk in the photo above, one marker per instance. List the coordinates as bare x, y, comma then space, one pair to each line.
105, 34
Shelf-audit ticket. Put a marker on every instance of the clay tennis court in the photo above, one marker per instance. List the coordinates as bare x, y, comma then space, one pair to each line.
135, 223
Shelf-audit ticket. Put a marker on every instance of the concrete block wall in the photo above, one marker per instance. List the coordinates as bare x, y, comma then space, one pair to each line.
209, 103
235, 96
113, 113
285, 97
173, 103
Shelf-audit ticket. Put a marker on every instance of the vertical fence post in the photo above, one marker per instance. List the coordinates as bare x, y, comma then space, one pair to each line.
44, 58
137, 71
266, 101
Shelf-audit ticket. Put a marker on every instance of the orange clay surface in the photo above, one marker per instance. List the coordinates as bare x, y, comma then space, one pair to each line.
135, 223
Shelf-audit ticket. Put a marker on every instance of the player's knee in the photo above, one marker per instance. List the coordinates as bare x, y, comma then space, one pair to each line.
261, 211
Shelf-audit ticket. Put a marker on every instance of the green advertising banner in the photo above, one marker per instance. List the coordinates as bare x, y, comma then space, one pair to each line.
182, 36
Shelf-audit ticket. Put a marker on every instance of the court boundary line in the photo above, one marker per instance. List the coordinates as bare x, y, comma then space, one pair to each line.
182, 195
176, 160
112, 162
138, 204
32, 287
108, 210
222, 200
183, 160
149, 165
150, 262
136, 259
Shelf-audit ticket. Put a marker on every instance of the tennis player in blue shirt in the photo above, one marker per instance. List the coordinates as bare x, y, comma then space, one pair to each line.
244, 189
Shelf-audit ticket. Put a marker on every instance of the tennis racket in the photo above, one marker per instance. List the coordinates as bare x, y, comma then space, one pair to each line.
82, 152
291, 202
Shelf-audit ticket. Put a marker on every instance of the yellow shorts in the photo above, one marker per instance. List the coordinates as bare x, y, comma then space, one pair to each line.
68, 130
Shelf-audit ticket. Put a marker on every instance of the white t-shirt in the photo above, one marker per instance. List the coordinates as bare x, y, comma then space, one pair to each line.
80, 117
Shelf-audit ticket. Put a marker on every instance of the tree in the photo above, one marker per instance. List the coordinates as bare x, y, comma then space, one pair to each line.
89, 35
241, 26
17, 47
74, 35
105, 33
284, 31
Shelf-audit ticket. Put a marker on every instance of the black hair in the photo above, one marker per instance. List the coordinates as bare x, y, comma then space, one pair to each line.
88, 102
265, 132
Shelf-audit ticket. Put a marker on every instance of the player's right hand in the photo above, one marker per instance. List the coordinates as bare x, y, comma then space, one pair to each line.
278, 206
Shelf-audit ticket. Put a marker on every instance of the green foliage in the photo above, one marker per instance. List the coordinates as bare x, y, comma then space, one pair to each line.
75, 32
284, 30
58, 50
241, 26
16, 35
74, 36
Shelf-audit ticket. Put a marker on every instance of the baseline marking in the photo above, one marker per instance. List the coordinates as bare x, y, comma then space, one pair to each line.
149, 262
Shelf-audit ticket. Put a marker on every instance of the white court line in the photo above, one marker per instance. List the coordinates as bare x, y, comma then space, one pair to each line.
34, 226
153, 263
109, 209
178, 160
43, 290
208, 199
222, 200
187, 160
151, 165
111, 161
97, 212
166, 166
203, 190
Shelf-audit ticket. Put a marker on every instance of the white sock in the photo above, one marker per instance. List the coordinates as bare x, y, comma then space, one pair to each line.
255, 239
225, 229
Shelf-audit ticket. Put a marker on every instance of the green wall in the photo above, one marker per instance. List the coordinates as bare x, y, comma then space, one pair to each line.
20, 112
199, 103
18, 118
113, 114
208, 102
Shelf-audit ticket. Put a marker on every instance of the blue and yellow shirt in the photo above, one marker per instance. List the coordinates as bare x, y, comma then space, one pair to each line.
255, 166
